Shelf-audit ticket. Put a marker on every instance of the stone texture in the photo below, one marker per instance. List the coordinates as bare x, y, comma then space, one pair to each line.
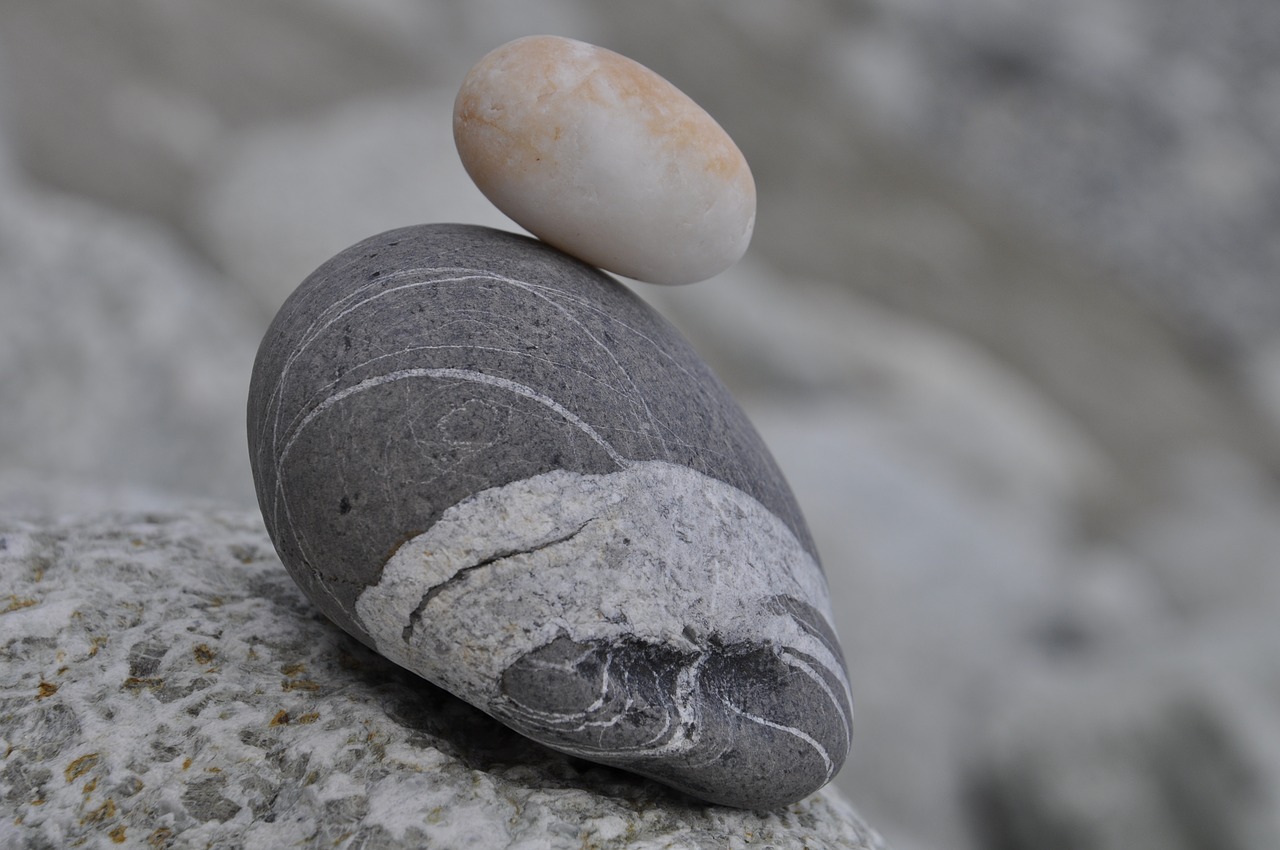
599, 156
166, 684
497, 466
7, 165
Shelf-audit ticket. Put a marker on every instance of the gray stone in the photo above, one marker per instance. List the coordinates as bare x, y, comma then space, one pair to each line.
498, 467
6, 154
166, 684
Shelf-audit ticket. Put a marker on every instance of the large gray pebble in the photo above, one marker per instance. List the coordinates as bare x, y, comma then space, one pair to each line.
502, 470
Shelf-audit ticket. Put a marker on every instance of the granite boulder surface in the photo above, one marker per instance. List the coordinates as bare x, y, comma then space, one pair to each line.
167, 685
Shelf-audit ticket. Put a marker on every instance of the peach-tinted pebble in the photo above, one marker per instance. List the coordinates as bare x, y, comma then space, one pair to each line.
604, 159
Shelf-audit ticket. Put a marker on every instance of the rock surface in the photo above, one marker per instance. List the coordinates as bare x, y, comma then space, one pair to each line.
601, 157
166, 684
497, 466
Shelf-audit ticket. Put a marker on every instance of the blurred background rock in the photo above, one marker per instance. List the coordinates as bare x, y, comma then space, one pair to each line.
1010, 323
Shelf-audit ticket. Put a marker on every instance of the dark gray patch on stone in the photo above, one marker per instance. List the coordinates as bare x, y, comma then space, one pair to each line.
42, 843
24, 780
378, 838
341, 817
145, 657
414, 369
127, 788
171, 693
45, 733
204, 800
617, 703
25, 648
164, 751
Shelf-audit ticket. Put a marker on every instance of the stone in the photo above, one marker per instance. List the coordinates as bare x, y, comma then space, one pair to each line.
7, 166
165, 684
604, 159
498, 467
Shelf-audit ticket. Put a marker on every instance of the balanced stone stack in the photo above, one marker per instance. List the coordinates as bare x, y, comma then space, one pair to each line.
495, 469
489, 461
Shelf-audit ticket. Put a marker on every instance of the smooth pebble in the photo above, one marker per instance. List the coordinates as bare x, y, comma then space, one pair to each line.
601, 157
498, 467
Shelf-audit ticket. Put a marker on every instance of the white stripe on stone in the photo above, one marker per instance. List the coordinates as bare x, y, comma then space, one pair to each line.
655, 552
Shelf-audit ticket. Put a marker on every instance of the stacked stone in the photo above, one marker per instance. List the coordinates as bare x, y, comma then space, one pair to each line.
487, 459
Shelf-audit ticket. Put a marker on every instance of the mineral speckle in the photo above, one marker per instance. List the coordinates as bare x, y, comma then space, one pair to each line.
213, 748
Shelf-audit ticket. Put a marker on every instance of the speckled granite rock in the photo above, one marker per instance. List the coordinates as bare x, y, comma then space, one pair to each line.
164, 683
501, 469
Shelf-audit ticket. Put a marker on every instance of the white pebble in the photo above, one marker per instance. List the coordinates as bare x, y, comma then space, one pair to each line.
604, 159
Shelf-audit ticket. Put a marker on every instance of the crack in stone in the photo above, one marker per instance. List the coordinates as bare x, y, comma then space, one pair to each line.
415, 618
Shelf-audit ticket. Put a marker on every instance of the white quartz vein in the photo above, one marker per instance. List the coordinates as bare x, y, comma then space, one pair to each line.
791, 661
660, 579
461, 375
307, 404
790, 730
447, 374
353, 301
